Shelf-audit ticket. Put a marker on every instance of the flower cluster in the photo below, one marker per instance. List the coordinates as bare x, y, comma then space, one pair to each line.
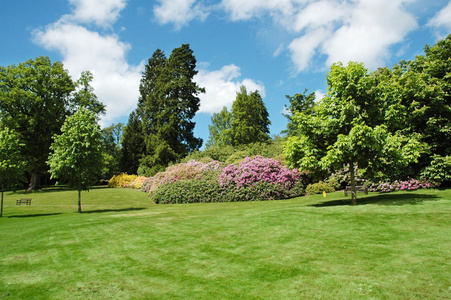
124, 180
183, 171
258, 169
407, 185
254, 179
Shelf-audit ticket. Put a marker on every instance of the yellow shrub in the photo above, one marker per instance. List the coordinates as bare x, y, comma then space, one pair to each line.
122, 180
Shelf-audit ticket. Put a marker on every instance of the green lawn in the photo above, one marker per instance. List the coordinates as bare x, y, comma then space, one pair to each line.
391, 246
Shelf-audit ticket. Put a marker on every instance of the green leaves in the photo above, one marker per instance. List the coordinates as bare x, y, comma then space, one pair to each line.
12, 166
250, 119
166, 106
77, 152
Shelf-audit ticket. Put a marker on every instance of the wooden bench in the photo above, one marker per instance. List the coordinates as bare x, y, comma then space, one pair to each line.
358, 189
26, 201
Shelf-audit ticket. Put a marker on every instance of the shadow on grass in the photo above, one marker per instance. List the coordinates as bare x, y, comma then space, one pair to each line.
382, 199
35, 215
113, 210
53, 189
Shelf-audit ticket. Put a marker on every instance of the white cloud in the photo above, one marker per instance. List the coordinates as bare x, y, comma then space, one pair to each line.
358, 31
221, 87
101, 12
319, 95
115, 81
320, 14
374, 26
278, 50
304, 48
442, 18
240, 10
179, 12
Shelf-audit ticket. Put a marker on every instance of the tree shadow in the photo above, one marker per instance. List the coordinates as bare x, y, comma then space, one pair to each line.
54, 189
383, 199
113, 210
35, 215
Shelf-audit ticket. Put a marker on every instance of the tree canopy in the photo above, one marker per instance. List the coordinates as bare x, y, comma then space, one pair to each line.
12, 167
219, 130
347, 127
35, 98
250, 122
247, 123
76, 155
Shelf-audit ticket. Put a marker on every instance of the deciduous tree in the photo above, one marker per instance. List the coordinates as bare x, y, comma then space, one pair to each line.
12, 166
34, 100
219, 130
76, 155
348, 128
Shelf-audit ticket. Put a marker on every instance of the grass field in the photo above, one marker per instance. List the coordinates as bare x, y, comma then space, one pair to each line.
390, 246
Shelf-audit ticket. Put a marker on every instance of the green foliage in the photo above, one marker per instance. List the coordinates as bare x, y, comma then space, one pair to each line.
85, 97
233, 154
219, 130
34, 101
111, 138
439, 170
418, 100
209, 190
298, 102
319, 188
247, 123
250, 119
168, 102
133, 146
12, 167
77, 152
347, 127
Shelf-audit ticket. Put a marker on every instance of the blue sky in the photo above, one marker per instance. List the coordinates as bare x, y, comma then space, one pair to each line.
279, 47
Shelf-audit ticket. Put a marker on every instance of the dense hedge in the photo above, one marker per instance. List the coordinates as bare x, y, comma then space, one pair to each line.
201, 190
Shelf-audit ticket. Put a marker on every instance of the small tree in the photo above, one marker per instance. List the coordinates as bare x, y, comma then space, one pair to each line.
77, 152
12, 166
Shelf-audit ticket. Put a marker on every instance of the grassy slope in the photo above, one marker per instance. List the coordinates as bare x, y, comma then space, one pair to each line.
393, 246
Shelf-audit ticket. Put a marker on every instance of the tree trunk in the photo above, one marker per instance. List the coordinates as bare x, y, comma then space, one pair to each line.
1, 210
79, 200
353, 190
34, 182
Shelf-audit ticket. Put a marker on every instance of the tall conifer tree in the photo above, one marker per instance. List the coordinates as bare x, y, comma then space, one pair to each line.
168, 102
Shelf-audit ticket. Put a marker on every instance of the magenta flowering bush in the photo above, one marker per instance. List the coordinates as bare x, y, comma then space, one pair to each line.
407, 185
183, 171
258, 169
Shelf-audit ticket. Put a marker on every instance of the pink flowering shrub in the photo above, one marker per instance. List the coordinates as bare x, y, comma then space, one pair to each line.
254, 179
183, 171
407, 185
137, 183
258, 169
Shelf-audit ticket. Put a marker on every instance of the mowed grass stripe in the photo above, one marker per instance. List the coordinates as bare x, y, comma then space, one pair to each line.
125, 247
